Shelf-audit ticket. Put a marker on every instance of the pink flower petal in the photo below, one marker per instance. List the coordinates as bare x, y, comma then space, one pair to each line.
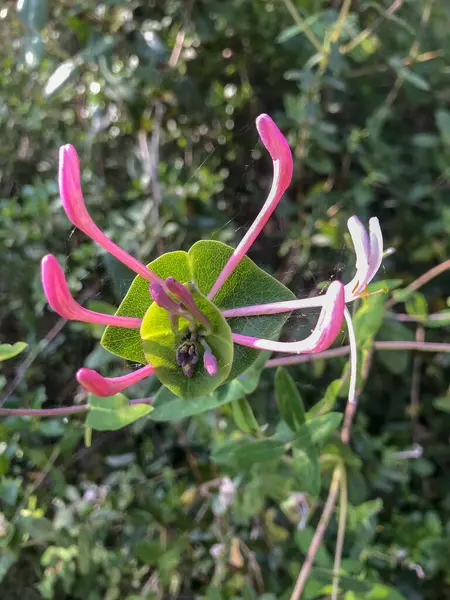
328, 326
210, 363
185, 296
61, 300
75, 207
98, 385
376, 248
278, 148
361, 244
162, 299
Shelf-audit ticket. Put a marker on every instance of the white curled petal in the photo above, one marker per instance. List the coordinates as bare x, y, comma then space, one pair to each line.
376, 248
361, 244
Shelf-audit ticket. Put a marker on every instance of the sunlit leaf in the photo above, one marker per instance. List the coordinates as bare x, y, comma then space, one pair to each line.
114, 412
169, 407
8, 351
289, 400
247, 285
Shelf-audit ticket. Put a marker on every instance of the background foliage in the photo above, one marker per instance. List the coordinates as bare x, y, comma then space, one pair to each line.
159, 98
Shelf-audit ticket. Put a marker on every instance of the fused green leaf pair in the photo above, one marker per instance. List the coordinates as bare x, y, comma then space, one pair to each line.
156, 343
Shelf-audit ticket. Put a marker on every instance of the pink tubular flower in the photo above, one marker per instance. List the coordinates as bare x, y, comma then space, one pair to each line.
179, 298
61, 300
369, 254
278, 148
324, 334
73, 203
209, 360
108, 386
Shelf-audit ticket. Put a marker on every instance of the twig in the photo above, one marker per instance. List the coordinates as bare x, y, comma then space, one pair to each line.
57, 412
150, 161
40, 347
191, 458
369, 30
295, 359
351, 407
176, 51
45, 471
32, 356
415, 382
407, 61
423, 279
404, 318
343, 506
303, 25
318, 535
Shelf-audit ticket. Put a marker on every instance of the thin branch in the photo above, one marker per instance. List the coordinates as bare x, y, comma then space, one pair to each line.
415, 383
303, 25
176, 51
40, 347
32, 356
150, 161
57, 412
296, 359
369, 30
343, 506
404, 318
318, 535
423, 279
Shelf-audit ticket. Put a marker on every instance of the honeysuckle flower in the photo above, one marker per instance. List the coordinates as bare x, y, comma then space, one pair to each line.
181, 325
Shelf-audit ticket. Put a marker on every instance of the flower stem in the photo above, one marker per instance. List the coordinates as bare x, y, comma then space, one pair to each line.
318, 535
295, 359
343, 506
57, 412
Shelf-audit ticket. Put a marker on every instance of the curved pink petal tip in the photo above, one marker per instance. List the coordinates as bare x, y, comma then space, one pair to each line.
75, 207
98, 385
70, 188
277, 146
56, 289
61, 300
324, 334
210, 363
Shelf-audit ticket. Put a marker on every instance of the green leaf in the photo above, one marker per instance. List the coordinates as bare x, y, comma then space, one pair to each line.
416, 80
7, 559
306, 463
9, 490
243, 416
396, 361
247, 285
417, 306
442, 403
303, 539
327, 402
113, 412
8, 351
243, 454
319, 428
127, 343
443, 124
148, 551
384, 592
160, 344
169, 407
346, 582
38, 529
368, 320
289, 400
